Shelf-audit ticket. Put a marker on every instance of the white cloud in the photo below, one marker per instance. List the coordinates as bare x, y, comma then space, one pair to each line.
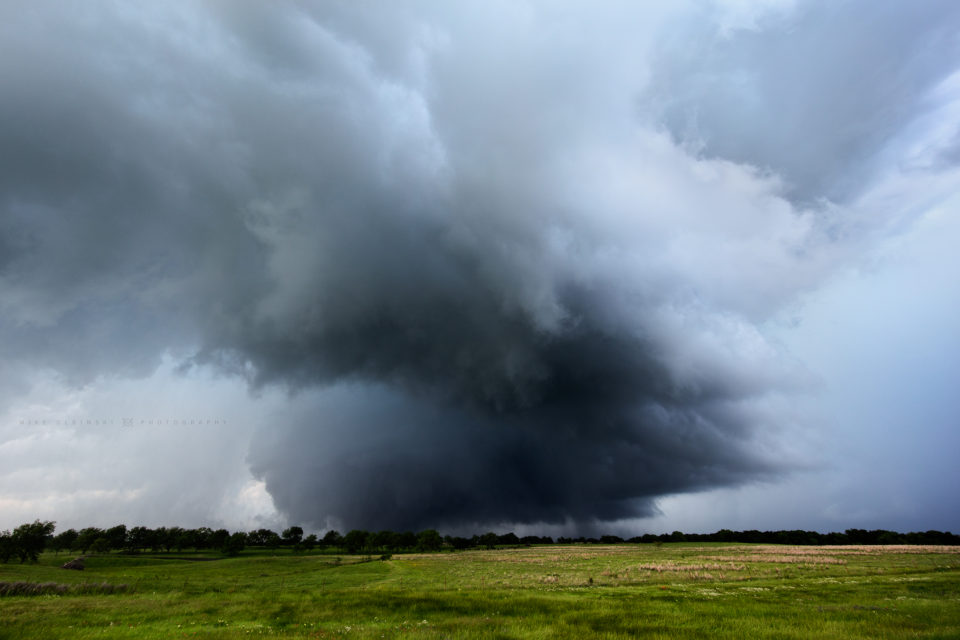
165, 450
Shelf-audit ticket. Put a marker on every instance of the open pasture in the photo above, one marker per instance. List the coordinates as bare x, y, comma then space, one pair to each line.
617, 591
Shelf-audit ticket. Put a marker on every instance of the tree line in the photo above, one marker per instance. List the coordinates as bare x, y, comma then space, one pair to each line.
27, 541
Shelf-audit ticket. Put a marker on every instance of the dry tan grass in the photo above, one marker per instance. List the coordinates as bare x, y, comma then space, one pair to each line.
791, 559
660, 567
862, 549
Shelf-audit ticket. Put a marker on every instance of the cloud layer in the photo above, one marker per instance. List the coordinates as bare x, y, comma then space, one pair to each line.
514, 263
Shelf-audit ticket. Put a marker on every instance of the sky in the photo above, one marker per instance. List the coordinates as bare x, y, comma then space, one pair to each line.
551, 267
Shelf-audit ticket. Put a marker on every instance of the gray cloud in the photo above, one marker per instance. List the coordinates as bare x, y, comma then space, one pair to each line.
496, 290
813, 94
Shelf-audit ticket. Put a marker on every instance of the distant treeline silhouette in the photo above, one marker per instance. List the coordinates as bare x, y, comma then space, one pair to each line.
27, 541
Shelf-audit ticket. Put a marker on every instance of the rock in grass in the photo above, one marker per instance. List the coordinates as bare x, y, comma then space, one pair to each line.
76, 563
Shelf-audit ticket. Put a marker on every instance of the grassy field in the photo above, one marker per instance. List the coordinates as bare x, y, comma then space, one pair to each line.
622, 591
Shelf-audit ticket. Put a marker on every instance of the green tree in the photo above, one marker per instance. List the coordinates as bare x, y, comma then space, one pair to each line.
332, 538
355, 541
488, 540
159, 537
184, 540
406, 540
6, 546
116, 536
382, 540
218, 538
233, 545
139, 538
100, 545
172, 539
292, 536
509, 539
260, 537
459, 543
64, 540
30, 539
202, 537
86, 537
429, 540
271, 540
310, 542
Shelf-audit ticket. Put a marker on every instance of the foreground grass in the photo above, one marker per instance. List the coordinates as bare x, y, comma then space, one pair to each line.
622, 591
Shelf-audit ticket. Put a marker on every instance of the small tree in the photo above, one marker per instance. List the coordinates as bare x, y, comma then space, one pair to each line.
30, 539
233, 545
429, 540
219, 538
406, 540
310, 542
459, 543
202, 537
260, 537
332, 538
85, 538
6, 546
271, 540
355, 540
488, 540
116, 536
139, 538
64, 540
382, 541
172, 539
159, 538
293, 536
184, 540
100, 545
508, 539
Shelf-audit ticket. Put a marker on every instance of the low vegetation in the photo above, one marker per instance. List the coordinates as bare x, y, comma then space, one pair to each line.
668, 590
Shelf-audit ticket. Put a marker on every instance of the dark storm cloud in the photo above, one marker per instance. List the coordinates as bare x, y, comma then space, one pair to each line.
410, 463
496, 295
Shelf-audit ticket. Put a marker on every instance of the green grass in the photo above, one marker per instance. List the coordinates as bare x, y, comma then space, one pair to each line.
622, 591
